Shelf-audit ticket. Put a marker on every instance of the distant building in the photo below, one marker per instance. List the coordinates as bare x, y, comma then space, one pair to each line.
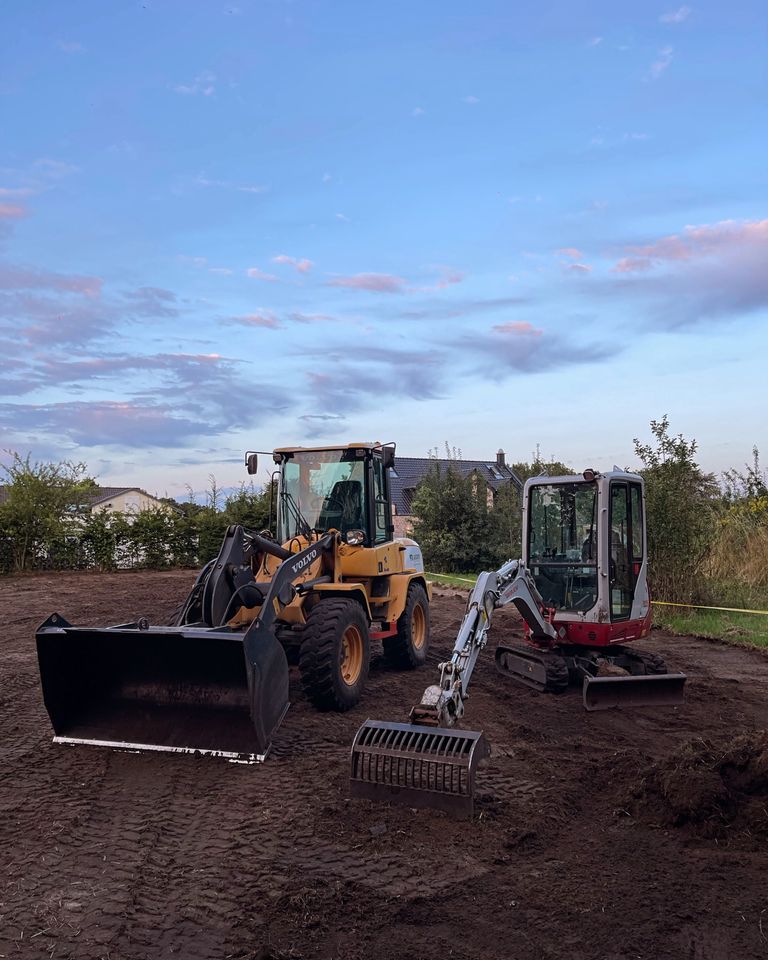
129, 500
408, 473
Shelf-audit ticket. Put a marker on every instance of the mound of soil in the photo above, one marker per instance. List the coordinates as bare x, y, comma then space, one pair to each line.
716, 789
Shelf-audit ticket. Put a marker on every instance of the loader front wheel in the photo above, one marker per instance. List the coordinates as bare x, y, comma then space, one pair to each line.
335, 654
408, 648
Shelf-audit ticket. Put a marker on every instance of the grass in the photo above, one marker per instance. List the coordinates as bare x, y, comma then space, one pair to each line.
744, 629
465, 580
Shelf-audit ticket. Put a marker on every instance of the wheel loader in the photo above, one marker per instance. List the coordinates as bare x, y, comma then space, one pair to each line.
216, 679
582, 591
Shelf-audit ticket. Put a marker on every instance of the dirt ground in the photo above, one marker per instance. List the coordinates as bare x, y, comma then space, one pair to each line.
620, 835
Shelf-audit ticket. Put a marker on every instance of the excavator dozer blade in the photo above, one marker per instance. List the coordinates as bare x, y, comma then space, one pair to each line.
179, 689
650, 690
417, 766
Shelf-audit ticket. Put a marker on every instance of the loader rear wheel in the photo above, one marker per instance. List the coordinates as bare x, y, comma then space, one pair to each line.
335, 654
408, 648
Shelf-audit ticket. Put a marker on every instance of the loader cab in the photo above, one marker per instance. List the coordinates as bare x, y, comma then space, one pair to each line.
335, 488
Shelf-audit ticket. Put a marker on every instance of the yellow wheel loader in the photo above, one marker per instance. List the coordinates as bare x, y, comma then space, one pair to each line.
216, 679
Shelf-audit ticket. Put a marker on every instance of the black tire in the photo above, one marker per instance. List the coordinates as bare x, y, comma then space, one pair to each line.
335, 654
408, 648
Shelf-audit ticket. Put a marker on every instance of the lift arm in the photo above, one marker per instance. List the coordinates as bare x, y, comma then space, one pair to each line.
443, 703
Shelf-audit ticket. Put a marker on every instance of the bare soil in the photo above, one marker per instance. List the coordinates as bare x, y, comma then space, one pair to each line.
613, 835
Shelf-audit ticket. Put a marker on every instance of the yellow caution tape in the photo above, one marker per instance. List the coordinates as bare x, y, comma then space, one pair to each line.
699, 606
659, 603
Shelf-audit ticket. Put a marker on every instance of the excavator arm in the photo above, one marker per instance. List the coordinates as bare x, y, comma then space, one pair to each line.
443, 703
428, 762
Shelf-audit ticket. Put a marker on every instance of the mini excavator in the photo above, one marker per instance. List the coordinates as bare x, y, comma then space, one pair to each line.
216, 679
582, 592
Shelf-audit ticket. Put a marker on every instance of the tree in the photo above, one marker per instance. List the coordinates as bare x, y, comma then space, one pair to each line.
42, 502
453, 522
681, 503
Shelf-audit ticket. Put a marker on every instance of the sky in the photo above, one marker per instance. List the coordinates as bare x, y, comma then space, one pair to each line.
230, 226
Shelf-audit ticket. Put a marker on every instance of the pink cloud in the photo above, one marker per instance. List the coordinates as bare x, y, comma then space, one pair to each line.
375, 282
694, 243
255, 274
571, 252
11, 211
19, 278
579, 268
263, 319
676, 16
16, 191
632, 265
303, 265
518, 328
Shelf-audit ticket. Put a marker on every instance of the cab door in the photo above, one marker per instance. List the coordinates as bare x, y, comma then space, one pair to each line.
627, 545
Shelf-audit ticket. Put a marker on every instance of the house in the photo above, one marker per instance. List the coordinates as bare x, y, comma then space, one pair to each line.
408, 472
129, 500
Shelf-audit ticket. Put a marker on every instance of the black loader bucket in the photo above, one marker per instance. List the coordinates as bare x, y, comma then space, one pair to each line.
180, 689
650, 690
417, 766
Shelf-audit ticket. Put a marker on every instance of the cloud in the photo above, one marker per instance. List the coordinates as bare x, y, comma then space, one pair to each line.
661, 63
16, 191
342, 217
11, 211
54, 169
418, 112
256, 188
518, 328
632, 265
312, 317
151, 302
471, 100
27, 278
262, 319
256, 274
441, 310
303, 265
203, 84
594, 41
373, 282
572, 252
517, 347
705, 272
70, 46
676, 16
581, 268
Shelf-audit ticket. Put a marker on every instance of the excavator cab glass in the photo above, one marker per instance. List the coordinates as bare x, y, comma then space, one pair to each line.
322, 490
562, 543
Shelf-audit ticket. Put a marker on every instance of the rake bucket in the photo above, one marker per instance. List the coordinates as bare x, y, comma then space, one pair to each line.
417, 766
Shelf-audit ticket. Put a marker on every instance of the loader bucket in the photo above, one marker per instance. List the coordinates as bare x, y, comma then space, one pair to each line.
650, 690
179, 689
417, 766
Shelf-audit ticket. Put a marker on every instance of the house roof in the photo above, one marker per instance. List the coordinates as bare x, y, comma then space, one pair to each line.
102, 494
408, 473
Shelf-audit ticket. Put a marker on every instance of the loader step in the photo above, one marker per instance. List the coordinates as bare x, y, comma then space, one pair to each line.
417, 766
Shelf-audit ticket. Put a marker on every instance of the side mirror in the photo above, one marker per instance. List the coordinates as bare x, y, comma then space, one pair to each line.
387, 457
251, 462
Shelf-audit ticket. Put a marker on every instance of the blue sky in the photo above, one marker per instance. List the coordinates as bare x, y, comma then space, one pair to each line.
242, 225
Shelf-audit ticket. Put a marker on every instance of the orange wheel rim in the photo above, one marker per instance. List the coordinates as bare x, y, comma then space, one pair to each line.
351, 655
418, 627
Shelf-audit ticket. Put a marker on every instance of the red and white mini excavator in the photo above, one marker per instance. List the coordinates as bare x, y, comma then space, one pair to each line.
582, 591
